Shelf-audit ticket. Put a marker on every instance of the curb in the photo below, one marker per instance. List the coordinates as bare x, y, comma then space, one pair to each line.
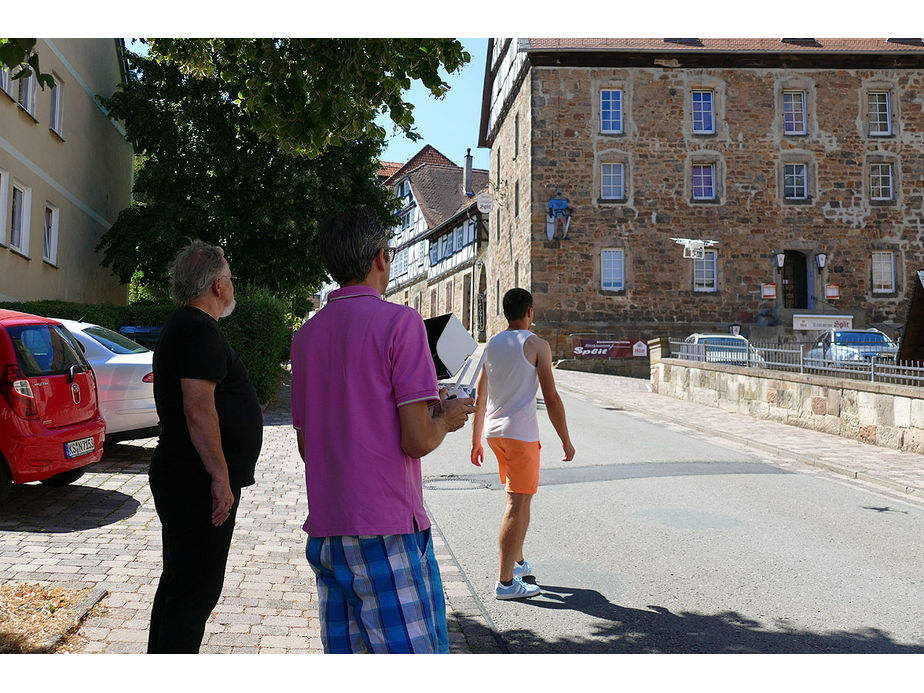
777, 450
83, 608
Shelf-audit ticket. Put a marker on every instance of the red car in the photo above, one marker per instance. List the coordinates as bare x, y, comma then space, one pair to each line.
50, 425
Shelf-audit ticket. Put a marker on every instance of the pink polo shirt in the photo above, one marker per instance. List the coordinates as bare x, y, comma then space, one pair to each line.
353, 364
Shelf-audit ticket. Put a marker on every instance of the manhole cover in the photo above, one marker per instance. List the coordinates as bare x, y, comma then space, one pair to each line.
453, 483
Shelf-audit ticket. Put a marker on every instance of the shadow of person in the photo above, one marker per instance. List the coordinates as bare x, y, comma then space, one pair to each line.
52, 510
655, 629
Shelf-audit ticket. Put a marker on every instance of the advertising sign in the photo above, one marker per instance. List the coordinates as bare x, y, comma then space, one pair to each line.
832, 291
821, 322
609, 348
768, 290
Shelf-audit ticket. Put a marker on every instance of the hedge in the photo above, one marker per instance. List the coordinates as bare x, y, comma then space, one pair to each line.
257, 330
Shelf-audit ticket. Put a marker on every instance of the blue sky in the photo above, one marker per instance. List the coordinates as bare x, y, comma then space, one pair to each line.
449, 124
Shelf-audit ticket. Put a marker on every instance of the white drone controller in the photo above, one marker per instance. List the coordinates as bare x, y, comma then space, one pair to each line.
464, 389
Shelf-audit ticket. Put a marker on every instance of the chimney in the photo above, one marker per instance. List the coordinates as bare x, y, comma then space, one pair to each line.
467, 174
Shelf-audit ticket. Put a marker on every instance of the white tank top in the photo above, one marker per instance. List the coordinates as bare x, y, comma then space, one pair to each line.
512, 387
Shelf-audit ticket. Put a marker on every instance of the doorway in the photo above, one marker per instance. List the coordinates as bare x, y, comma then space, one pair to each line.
795, 280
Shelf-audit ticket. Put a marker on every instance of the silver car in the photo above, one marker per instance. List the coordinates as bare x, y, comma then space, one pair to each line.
851, 346
730, 349
124, 378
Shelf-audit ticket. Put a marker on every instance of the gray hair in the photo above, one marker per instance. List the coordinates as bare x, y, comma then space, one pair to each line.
194, 269
349, 241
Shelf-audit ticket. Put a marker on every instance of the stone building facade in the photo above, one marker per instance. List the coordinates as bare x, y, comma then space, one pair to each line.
810, 151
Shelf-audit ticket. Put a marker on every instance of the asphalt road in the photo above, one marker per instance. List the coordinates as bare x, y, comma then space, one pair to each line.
654, 539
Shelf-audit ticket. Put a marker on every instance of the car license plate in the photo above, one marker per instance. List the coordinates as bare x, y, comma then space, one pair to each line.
80, 447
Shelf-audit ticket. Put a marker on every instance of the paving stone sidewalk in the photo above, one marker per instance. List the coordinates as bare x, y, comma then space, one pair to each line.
103, 532
892, 471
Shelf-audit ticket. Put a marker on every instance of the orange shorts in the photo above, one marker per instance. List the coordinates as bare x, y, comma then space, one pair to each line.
518, 463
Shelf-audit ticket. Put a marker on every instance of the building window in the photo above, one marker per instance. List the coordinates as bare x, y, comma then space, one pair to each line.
794, 112
612, 270
417, 302
880, 182
4, 204
50, 243
449, 296
26, 93
883, 272
795, 181
704, 181
57, 107
611, 111
434, 298
470, 232
6, 81
19, 218
703, 112
497, 180
612, 181
497, 299
880, 113
516, 135
516, 273
516, 199
704, 275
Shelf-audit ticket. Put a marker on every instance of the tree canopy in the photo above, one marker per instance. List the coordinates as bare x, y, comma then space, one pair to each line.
205, 173
309, 94
16, 55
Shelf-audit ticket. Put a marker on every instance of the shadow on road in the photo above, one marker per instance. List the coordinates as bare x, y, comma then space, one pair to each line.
658, 630
54, 510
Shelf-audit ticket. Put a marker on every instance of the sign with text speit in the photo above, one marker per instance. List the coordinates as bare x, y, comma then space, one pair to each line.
803, 321
609, 348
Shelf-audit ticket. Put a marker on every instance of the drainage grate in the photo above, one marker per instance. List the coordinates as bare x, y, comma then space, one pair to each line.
454, 483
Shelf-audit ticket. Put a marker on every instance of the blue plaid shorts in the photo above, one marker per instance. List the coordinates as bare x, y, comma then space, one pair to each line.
380, 594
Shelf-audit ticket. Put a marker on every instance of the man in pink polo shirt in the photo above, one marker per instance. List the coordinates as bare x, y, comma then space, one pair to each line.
366, 408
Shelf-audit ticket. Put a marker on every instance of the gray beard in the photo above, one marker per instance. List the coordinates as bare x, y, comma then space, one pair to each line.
228, 309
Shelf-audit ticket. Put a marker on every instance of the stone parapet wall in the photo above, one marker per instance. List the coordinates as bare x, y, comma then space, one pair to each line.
891, 416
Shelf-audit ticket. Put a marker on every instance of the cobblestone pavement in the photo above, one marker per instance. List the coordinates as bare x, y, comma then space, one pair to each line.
894, 473
103, 531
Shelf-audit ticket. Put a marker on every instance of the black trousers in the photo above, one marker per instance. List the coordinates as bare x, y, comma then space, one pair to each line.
195, 556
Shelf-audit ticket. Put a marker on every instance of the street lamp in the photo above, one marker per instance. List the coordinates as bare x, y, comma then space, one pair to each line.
820, 259
780, 261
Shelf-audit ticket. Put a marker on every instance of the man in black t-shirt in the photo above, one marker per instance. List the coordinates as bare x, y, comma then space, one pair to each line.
211, 435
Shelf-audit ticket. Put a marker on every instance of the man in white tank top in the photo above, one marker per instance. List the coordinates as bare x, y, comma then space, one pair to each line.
517, 364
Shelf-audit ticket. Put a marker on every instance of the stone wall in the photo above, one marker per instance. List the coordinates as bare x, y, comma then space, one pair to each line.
750, 219
879, 413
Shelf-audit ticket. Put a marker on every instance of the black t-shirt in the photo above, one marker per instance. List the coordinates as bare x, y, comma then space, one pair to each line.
191, 345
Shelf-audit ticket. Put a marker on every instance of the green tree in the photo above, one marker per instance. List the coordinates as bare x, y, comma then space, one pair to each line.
204, 172
16, 55
312, 94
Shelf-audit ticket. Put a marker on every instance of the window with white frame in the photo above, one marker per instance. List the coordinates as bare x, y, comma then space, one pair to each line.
26, 93
4, 204
612, 181
880, 182
459, 234
794, 112
6, 81
880, 113
399, 264
20, 204
470, 232
704, 274
50, 241
612, 269
704, 181
57, 107
795, 181
445, 246
611, 111
703, 112
883, 272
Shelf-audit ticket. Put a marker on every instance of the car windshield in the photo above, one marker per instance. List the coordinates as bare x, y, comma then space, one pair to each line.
44, 350
861, 338
115, 342
724, 341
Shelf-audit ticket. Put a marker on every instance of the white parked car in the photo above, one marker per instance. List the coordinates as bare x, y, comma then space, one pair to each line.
124, 379
732, 349
850, 346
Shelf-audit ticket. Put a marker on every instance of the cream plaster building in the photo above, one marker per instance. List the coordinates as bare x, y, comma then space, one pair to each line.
65, 174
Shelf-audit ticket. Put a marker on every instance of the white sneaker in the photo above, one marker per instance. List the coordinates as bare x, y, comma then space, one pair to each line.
522, 571
518, 590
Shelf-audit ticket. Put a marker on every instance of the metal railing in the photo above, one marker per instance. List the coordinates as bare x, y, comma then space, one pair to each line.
794, 359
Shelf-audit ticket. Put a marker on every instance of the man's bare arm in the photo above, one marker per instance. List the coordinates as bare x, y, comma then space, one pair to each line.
422, 433
481, 406
553, 404
205, 433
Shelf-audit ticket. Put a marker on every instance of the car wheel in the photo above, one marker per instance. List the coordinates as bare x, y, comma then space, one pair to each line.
65, 478
6, 480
